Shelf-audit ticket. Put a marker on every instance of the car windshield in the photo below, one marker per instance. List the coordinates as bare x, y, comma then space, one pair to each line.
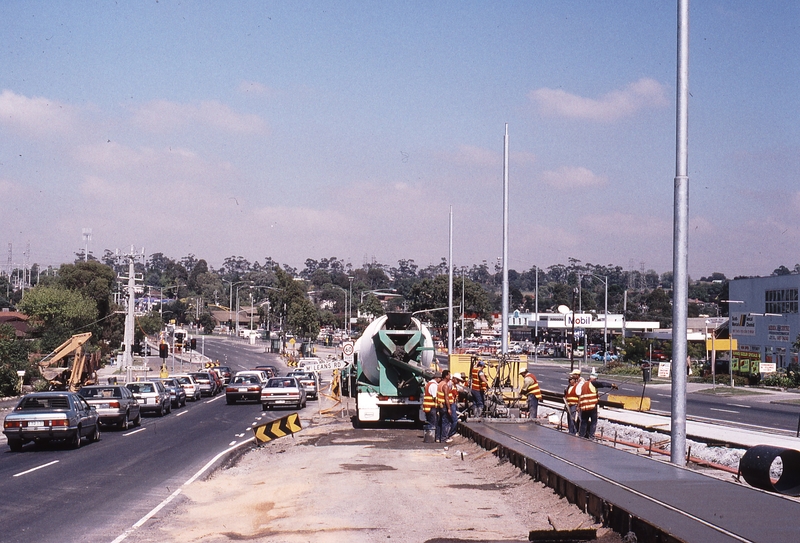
105, 392
141, 387
184, 380
43, 402
245, 380
201, 376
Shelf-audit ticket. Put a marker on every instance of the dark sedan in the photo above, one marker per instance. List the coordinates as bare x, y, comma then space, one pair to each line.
51, 416
243, 388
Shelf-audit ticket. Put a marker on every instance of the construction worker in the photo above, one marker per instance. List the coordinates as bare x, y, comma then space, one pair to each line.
429, 402
571, 401
587, 405
443, 405
455, 380
479, 385
530, 389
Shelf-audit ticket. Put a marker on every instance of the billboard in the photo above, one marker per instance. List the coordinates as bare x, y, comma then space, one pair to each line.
743, 324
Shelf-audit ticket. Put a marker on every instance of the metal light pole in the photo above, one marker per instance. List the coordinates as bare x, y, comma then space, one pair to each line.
350, 310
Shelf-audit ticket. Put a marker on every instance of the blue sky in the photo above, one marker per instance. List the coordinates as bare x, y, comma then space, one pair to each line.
302, 130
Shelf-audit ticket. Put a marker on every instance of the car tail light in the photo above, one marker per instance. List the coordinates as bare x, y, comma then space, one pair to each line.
253, 389
115, 405
294, 394
12, 424
59, 422
266, 393
412, 398
231, 389
383, 398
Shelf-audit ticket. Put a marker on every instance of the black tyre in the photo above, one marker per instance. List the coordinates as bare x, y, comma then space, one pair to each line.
124, 423
183, 404
264, 407
75, 441
162, 411
15, 445
138, 420
169, 407
95, 436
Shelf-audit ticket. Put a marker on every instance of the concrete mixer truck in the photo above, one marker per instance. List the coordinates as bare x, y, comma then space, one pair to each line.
391, 361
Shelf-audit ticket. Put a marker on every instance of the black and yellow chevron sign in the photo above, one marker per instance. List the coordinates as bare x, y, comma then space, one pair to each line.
278, 428
292, 363
211, 364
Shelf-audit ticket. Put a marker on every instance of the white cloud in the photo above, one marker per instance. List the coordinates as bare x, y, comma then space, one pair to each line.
165, 116
644, 93
572, 177
35, 116
471, 155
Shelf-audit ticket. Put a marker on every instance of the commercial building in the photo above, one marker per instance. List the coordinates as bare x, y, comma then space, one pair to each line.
764, 319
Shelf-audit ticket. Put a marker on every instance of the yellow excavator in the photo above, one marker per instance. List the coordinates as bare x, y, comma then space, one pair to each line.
62, 374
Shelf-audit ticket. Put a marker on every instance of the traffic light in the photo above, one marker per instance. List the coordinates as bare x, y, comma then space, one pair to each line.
193, 344
163, 350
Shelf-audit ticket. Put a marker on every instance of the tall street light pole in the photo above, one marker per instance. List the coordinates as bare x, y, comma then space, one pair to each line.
350, 310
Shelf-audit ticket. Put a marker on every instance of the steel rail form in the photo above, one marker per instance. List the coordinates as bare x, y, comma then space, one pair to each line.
659, 502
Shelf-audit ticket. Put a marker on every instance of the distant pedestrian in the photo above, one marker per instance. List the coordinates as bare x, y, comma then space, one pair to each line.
530, 390
572, 400
479, 385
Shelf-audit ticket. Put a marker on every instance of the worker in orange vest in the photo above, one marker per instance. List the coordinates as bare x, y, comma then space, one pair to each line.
429, 402
479, 385
530, 389
587, 405
443, 400
571, 401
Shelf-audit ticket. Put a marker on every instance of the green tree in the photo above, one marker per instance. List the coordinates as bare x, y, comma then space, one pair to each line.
372, 305
13, 357
56, 313
303, 319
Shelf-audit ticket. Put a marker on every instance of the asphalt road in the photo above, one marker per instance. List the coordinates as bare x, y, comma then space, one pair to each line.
97, 492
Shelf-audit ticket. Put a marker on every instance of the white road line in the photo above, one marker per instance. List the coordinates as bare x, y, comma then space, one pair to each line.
38, 467
723, 410
628, 389
181, 413
142, 429
175, 494
664, 395
231, 444
738, 405
215, 399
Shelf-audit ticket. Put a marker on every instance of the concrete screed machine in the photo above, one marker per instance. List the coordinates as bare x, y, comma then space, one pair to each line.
392, 359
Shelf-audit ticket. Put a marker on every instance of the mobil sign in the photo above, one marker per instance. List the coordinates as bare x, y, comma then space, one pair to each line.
580, 320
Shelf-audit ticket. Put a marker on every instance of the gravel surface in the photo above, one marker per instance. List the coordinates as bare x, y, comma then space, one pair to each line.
332, 483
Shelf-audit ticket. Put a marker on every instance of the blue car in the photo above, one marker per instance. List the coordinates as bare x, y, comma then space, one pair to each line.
605, 357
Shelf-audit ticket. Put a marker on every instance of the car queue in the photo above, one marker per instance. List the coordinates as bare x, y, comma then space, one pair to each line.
71, 417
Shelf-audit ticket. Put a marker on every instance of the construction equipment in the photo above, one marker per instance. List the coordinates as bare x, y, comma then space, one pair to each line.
70, 376
391, 361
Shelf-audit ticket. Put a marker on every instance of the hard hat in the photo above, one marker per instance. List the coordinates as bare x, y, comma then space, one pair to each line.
576, 373
481, 363
457, 376
523, 372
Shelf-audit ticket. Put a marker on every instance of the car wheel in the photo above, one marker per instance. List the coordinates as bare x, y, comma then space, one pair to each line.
124, 423
75, 442
138, 420
15, 445
183, 404
162, 411
304, 403
264, 407
95, 437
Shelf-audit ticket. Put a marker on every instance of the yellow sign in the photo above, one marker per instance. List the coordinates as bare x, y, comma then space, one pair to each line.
278, 428
292, 341
163, 373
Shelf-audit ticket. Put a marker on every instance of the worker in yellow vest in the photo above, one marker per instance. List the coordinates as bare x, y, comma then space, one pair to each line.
443, 399
530, 390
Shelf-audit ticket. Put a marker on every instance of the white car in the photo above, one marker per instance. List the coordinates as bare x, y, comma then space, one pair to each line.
189, 385
260, 374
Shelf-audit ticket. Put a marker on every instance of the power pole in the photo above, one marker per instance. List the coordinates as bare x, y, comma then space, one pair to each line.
127, 342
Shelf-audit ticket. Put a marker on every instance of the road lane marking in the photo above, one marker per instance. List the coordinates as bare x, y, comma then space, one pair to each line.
38, 467
231, 444
215, 399
664, 395
628, 389
181, 413
738, 405
142, 429
175, 494
723, 410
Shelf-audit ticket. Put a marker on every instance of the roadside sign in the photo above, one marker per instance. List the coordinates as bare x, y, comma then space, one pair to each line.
664, 369
768, 367
278, 428
348, 349
325, 365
